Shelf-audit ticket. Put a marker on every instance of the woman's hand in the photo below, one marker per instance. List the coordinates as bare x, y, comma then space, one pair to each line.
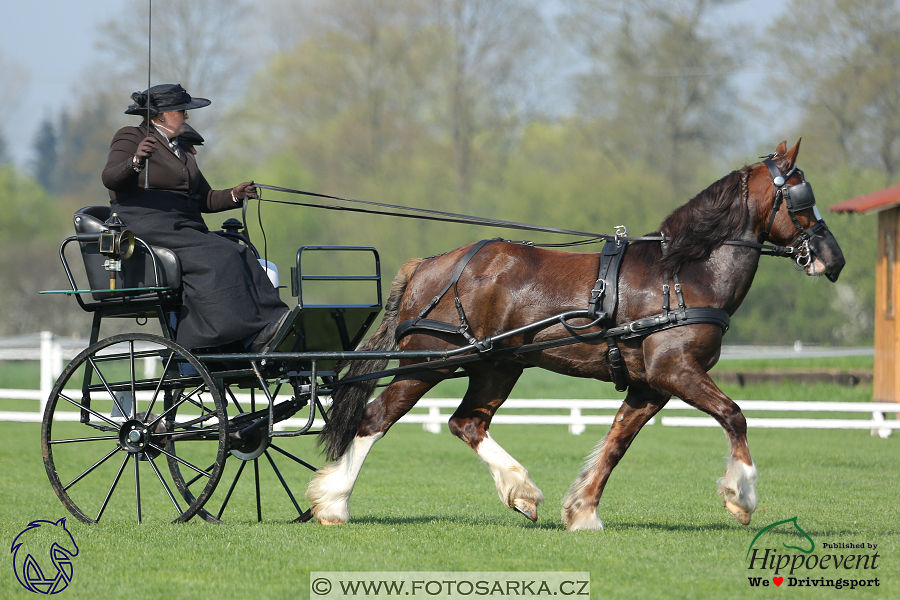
244, 190
144, 150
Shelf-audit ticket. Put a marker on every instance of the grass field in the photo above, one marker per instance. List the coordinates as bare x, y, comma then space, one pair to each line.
424, 502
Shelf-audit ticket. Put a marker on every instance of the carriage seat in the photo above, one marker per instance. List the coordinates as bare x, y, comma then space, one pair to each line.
137, 271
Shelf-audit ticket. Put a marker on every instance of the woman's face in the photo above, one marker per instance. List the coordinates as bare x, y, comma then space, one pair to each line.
172, 123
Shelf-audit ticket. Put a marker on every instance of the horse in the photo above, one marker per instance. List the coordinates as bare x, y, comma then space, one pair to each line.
711, 249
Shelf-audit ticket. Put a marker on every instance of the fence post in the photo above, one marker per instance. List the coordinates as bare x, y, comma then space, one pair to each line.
576, 428
47, 364
434, 426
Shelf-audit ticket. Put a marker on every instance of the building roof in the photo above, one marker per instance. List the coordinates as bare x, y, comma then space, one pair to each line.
868, 203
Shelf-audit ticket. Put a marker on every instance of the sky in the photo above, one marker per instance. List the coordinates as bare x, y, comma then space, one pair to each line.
52, 42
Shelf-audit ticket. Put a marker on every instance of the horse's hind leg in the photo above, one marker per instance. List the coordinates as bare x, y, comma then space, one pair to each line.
489, 386
580, 504
329, 491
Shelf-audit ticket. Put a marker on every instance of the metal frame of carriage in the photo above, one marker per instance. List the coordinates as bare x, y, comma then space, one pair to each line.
161, 420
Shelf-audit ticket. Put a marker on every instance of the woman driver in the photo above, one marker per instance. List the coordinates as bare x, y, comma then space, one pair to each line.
227, 296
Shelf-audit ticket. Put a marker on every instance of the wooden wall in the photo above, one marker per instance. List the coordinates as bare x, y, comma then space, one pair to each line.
887, 308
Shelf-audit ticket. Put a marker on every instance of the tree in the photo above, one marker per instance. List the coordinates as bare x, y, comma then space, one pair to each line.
657, 85
491, 52
45, 150
197, 44
841, 64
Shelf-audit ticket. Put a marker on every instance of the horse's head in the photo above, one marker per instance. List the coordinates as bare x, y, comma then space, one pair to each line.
788, 215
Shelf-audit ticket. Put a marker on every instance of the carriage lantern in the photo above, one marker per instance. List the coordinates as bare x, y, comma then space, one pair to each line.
117, 244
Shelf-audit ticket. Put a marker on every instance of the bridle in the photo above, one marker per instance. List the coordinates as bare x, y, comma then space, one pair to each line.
796, 197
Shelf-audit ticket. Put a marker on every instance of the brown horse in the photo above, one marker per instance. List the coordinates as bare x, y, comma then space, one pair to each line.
713, 246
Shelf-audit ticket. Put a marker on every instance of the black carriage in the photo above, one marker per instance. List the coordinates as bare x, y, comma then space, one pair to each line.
178, 421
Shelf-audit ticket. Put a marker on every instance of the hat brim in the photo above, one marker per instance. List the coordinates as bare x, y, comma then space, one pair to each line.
142, 110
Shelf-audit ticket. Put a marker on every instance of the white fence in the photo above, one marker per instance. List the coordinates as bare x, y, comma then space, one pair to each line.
52, 353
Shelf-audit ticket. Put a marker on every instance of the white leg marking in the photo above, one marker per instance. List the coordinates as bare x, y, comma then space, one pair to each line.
329, 491
738, 488
510, 477
577, 513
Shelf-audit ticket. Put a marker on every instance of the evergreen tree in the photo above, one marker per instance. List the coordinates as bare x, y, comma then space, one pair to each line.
45, 148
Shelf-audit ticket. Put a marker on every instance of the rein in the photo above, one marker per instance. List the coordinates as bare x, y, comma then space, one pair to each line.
447, 217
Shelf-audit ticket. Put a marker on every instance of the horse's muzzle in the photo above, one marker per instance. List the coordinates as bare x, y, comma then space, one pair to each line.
826, 248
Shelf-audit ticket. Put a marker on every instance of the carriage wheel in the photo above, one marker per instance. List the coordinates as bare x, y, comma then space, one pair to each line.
117, 407
262, 476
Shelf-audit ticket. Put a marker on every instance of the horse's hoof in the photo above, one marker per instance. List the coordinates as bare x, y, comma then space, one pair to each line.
739, 513
326, 522
527, 508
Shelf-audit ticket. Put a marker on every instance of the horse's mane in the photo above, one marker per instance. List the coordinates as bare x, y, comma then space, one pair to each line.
713, 216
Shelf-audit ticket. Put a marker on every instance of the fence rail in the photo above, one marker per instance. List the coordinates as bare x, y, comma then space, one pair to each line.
52, 352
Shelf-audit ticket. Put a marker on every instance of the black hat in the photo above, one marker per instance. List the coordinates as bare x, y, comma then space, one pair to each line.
190, 136
165, 97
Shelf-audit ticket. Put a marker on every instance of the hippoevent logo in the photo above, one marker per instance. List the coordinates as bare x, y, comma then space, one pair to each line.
42, 556
800, 566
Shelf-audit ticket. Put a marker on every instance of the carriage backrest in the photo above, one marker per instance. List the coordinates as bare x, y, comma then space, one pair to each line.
138, 271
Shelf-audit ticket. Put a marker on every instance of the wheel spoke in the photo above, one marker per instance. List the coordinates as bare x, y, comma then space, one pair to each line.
88, 439
258, 498
293, 458
164, 484
180, 460
111, 393
159, 383
111, 489
91, 468
131, 370
137, 485
85, 408
283, 483
231, 489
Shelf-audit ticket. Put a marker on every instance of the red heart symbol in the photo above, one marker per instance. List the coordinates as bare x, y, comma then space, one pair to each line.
778, 580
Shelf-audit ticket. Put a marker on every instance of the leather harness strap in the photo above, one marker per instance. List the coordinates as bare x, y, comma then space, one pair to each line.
420, 322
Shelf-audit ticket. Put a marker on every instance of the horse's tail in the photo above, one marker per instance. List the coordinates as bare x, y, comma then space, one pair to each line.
349, 401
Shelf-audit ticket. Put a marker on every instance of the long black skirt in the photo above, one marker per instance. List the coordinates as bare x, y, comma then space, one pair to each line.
227, 296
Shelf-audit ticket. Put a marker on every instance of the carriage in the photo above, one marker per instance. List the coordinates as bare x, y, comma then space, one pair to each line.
647, 313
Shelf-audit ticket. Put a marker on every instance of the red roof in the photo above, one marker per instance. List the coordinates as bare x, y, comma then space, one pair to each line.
869, 203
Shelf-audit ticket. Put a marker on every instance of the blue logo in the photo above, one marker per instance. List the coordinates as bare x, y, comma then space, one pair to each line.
30, 552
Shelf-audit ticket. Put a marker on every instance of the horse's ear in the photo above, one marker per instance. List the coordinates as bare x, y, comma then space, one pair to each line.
787, 158
781, 149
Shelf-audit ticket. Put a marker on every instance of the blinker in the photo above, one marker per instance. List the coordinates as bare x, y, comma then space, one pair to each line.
799, 197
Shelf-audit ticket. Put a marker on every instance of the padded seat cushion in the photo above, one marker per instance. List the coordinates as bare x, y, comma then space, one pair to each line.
137, 271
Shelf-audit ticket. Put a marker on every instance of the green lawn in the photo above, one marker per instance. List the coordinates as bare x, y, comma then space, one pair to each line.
424, 502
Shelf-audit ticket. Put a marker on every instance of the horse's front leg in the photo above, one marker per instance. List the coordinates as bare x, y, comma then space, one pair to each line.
738, 485
330, 489
580, 504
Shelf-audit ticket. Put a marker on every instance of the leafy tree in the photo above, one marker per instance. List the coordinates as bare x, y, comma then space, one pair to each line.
842, 61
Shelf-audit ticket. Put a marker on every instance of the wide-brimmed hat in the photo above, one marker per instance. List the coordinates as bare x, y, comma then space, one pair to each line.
165, 97
190, 136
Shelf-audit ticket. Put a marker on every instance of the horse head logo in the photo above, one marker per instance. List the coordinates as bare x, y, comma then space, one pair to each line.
31, 547
812, 544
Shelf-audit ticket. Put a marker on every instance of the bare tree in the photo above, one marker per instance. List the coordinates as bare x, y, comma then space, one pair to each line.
491, 51
658, 81
197, 44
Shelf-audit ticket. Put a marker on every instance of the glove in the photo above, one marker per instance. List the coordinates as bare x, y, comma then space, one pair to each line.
145, 149
246, 189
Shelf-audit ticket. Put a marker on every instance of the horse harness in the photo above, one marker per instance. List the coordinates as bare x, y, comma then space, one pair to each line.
604, 295
601, 308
